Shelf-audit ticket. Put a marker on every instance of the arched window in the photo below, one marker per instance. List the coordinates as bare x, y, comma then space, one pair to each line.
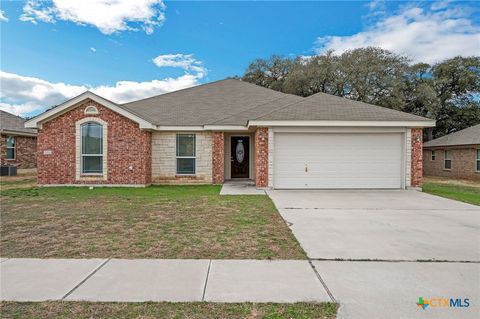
91, 110
92, 148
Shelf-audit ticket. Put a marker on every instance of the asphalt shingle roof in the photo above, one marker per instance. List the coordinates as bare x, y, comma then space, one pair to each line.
328, 107
234, 102
204, 104
13, 123
468, 136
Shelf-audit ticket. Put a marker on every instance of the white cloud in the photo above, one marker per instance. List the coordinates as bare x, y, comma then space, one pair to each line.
93, 49
184, 61
108, 16
3, 17
21, 94
439, 5
426, 35
126, 91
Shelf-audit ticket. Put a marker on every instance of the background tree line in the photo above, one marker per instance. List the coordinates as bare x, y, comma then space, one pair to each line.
448, 92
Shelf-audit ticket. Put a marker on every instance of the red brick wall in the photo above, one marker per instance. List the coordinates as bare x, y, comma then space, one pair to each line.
127, 146
463, 162
25, 151
261, 157
417, 165
218, 158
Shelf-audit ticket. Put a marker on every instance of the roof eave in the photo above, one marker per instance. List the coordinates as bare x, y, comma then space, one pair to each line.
18, 133
473, 145
343, 123
37, 121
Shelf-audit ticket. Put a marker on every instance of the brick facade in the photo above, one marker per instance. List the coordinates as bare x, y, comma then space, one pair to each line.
138, 157
25, 151
416, 156
128, 157
261, 157
464, 161
164, 161
218, 158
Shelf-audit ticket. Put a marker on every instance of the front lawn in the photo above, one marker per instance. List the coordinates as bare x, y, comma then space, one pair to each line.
21, 181
457, 190
152, 222
166, 310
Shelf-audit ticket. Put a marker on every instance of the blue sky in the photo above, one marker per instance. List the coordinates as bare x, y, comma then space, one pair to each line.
51, 51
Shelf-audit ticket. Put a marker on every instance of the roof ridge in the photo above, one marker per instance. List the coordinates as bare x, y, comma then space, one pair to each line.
22, 118
181, 90
251, 108
207, 84
281, 108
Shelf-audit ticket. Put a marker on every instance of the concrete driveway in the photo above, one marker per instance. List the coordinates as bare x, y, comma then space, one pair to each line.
367, 247
383, 225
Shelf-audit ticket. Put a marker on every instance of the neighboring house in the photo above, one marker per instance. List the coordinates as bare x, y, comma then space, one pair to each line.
18, 145
229, 130
456, 155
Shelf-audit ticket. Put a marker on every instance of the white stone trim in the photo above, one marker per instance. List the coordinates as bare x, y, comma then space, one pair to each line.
78, 175
91, 110
271, 150
408, 158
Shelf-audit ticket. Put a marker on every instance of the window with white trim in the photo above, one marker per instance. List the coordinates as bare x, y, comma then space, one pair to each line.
186, 157
91, 148
478, 160
447, 163
433, 155
10, 147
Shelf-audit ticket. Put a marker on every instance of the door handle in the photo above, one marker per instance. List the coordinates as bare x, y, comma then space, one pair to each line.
306, 168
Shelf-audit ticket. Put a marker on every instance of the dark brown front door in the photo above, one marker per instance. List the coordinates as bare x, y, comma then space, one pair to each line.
239, 156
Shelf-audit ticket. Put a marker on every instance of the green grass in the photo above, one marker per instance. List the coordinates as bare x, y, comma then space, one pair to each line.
166, 310
467, 194
152, 222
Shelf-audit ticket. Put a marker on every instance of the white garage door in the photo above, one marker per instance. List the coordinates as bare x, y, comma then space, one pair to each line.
319, 160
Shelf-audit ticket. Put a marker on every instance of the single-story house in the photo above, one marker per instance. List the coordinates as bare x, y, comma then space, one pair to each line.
18, 145
456, 155
229, 130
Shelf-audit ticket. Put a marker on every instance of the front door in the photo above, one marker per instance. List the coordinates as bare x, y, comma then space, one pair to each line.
239, 156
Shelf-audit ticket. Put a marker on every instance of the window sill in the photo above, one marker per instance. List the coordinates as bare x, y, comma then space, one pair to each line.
447, 169
185, 175
91, 177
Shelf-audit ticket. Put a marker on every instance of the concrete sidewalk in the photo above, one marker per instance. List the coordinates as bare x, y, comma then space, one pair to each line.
176, 280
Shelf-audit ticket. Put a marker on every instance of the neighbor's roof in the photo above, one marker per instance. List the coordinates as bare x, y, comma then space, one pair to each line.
326, 107
10, 123
468, 136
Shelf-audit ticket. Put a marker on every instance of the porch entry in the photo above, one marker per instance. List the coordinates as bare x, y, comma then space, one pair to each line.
239, 156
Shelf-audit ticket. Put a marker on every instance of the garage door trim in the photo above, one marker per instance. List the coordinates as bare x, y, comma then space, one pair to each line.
391, 179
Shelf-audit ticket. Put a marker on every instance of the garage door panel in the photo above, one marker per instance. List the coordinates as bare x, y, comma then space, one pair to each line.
337, 160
